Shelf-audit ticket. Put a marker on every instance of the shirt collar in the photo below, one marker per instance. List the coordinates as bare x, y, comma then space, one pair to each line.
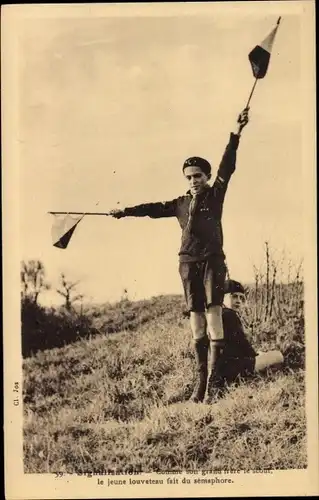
201, 194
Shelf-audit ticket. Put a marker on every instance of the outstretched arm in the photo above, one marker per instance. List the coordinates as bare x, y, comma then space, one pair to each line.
228, 163
153, 210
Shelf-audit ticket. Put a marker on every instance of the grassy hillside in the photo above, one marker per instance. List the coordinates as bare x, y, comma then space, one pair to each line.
46, 328
118, 401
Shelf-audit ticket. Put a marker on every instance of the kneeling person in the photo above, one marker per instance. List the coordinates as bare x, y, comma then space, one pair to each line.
239, 358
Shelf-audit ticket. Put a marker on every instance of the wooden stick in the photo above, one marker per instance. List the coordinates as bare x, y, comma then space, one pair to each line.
79, 213
251, 93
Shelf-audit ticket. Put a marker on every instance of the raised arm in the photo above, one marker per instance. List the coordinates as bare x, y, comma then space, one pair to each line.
228, 163
153, 210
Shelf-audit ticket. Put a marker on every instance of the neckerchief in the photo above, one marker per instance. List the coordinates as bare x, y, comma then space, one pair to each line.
192, 210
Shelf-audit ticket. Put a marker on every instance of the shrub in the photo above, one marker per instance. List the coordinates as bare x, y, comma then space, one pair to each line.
43, 328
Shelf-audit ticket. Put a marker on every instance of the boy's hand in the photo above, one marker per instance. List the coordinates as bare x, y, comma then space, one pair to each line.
242, 120
118, 214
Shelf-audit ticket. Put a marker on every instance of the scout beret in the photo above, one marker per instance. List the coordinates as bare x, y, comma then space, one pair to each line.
232, 286
197, 161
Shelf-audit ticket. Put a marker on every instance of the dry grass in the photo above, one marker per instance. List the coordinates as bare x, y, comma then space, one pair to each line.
118, 402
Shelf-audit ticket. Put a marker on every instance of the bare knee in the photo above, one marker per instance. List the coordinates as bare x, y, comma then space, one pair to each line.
215, 322
198, 324
271, 360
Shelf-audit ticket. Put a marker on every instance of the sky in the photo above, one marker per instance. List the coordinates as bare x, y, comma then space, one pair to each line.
110, 106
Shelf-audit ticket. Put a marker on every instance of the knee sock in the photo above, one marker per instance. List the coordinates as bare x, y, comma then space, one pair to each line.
201, 352
216, 348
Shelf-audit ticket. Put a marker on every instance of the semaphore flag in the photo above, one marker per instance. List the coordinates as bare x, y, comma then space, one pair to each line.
259, 57
63, 228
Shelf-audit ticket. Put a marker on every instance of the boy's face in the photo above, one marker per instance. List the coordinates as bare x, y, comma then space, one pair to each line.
197, 179
237, 301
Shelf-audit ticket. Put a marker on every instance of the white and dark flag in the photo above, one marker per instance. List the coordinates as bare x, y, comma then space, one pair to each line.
63, 228
259, 57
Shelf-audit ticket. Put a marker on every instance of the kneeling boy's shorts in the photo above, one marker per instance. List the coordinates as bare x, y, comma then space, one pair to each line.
232, 368
203, 283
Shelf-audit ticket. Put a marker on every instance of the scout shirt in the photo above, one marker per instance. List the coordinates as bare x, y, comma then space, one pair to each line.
237, 344
205, 237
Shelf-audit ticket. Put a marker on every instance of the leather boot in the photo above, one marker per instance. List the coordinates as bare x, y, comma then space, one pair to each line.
201, 352
215, 384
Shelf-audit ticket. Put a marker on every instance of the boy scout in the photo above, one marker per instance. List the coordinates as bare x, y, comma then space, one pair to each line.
239, 357
201, 257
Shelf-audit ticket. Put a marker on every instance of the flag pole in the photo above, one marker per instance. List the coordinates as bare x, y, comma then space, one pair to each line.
251, 93
257, 78
79, 213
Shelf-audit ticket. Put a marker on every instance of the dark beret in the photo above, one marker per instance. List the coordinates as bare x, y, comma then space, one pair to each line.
197, 161
232, 286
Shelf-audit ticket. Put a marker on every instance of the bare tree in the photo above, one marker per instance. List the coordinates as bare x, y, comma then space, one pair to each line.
67, 290
125, 295
33, 280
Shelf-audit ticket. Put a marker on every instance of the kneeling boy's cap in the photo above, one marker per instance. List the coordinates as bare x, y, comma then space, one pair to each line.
197, 161
232, 286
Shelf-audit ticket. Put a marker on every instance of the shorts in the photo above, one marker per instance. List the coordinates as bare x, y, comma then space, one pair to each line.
203, 283
231, 369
